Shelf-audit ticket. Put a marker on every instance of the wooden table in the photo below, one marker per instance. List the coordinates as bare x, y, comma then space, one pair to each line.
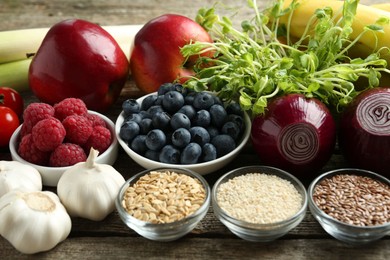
110, 238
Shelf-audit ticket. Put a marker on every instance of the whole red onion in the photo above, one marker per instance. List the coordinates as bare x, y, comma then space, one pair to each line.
364, 134
295, 133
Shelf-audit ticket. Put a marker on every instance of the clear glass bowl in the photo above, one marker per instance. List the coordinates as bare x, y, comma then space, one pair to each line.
351, 234
259, 232
166, 231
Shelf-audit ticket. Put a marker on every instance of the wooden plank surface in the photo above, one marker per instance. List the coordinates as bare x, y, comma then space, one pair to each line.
110, 238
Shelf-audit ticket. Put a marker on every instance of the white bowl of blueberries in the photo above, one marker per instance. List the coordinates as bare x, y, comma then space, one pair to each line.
178, 127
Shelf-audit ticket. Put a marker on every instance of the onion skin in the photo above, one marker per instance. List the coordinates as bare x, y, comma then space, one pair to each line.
295, 134
364, 134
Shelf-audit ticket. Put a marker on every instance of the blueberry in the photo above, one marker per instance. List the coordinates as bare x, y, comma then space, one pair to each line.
152, 155
234, 108
180, 120
213, 131
154, 109
181, 137
148, 101
169, 154
155, 139
172, 101
239, 120
191, 154
199, 135
161, 120
164, 88
209, 152
203, 100
144, 114
130, 106
218, 115
128, 131
134, 117
145, 126
188, 110
179, 88
217, 100
138, 144
159, 100
202, 118
224, 144
232, 129
189, 98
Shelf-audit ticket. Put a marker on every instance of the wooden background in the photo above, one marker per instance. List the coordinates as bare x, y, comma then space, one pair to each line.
210, 239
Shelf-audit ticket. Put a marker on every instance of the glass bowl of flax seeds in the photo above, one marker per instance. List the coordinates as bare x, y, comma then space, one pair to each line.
352, 205
163, 204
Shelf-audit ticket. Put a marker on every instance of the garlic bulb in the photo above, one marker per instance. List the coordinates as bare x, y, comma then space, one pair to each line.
33, 221
17, 175
88, 189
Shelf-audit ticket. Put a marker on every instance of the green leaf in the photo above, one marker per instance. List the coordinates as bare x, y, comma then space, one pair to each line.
314, 86
375, 27
259, 106
373, 78
245, 102
383, 21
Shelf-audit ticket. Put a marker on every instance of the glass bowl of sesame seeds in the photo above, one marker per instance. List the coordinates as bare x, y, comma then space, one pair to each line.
163, 204
352, 205
259, 203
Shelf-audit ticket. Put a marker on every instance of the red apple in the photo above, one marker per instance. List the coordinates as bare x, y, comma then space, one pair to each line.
79, 59
156, 58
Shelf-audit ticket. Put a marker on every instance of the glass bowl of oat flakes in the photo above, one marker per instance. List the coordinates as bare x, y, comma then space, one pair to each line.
259, 203
352, 205
163, 204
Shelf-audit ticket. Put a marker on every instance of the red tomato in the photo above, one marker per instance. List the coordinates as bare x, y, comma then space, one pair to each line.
9, 121
12, 99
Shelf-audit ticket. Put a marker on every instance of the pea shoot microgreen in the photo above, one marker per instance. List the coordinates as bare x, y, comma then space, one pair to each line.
252, 64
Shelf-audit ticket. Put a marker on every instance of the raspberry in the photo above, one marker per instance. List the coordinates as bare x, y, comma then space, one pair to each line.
67, 154
68, 107
34, 113
100, 139
29, 152
47, 134
96, 120
78, 129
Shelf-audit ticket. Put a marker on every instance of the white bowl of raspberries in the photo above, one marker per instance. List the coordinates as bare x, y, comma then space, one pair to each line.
178, 127
53, 138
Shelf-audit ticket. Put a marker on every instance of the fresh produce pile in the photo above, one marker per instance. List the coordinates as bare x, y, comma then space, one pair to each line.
178, 126
308, 72
11, 109
46, 219
254, 64
308, 48
61, 135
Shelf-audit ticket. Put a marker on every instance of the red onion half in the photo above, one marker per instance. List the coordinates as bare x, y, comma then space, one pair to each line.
295, 133
364, 134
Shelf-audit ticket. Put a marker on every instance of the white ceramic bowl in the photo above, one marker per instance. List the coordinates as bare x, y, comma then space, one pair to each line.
51, 175
201, 168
